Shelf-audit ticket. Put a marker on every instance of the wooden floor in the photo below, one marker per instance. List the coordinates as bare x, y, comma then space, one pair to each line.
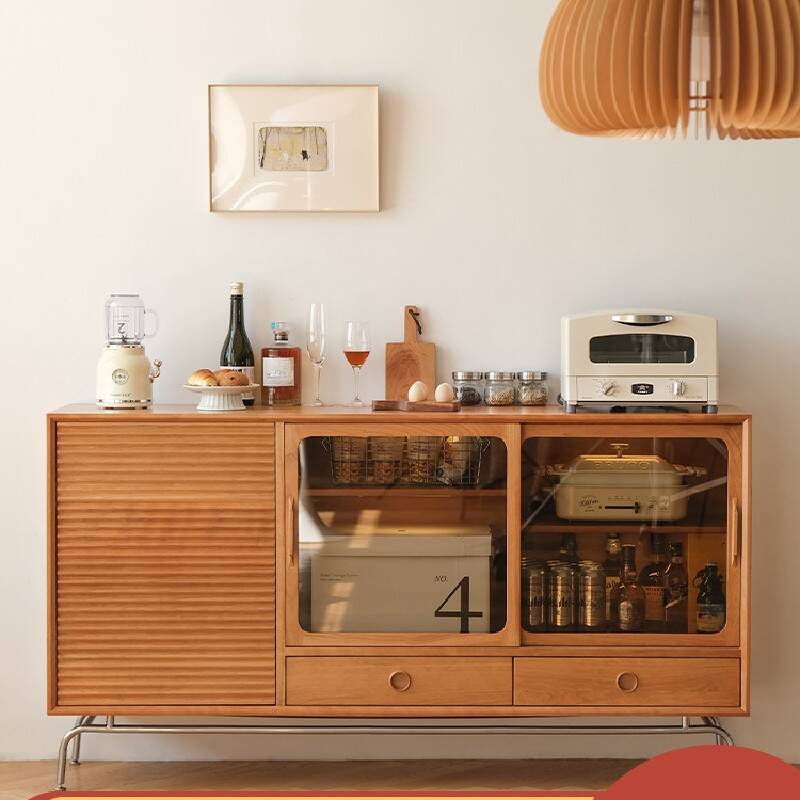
21, 780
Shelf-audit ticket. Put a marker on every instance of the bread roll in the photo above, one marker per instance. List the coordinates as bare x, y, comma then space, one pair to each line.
230, 377
202, 377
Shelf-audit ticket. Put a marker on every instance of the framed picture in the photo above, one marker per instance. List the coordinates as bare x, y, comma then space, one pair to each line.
293, 148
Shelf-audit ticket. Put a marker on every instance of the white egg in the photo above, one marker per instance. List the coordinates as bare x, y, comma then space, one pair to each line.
418, 392
443, 393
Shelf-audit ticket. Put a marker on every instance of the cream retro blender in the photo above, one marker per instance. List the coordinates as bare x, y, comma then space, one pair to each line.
124, 376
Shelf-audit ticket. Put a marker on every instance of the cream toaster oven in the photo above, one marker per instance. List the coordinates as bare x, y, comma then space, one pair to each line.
639, 358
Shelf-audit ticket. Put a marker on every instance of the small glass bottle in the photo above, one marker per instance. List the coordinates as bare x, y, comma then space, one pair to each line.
627, 600
281, 370
676, 587
531, 388
468, 388
710, 600
651, 579
499, 389
612, 567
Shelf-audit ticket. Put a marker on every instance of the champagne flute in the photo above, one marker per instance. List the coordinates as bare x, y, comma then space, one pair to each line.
356, 350
315, 346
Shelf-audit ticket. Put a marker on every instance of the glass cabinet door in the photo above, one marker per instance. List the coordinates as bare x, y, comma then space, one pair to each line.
630, 535
400, 534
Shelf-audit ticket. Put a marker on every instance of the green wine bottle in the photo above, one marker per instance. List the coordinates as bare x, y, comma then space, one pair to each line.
237, 352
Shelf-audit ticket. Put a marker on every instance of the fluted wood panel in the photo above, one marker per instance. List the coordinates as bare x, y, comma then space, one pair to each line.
165, 563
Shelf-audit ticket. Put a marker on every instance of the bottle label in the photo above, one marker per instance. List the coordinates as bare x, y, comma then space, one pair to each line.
251, 376
629, 617
612, 581
277, 371
710, 617
653, 603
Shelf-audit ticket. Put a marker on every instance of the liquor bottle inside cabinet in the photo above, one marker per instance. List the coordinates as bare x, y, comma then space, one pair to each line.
651, 579
237, 352
627, 598
710, 600
612, 567
676, 587
281, 370
569, 548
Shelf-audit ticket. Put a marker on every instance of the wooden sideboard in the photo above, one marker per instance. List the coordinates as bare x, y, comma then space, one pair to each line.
176, 586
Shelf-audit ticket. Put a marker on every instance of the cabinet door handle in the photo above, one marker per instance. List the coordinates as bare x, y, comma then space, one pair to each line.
627, 682
735, 530
400, 681
290, 527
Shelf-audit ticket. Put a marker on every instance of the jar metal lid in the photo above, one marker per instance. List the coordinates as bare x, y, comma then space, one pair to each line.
500, 376
467, 376
531, 376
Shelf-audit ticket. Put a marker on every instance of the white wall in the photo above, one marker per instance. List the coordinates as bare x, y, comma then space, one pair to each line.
495, 223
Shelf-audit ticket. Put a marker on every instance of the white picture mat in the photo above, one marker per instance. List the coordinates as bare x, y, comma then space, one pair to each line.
348, 113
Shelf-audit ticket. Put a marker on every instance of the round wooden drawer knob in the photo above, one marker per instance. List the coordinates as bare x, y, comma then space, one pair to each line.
400, 681
628, 681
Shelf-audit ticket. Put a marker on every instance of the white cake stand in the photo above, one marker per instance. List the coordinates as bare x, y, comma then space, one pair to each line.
220, 398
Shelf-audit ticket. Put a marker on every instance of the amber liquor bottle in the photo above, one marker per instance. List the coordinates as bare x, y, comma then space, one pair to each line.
627, 599
281, 369
651, 579
612, 567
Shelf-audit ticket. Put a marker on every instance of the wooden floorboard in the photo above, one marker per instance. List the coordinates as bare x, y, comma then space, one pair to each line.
21, 780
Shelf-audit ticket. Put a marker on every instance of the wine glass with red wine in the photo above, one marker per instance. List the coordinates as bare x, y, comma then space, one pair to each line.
356, 351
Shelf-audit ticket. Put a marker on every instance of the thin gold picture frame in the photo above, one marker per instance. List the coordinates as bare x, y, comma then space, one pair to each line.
376, 190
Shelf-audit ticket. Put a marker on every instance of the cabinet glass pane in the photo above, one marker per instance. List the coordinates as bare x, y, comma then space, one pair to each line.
402, 534
591, 503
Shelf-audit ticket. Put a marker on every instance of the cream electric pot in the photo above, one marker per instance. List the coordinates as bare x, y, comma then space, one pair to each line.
124, 375
621, 487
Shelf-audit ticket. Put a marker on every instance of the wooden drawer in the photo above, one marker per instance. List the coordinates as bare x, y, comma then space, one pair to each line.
395, 681
626, 682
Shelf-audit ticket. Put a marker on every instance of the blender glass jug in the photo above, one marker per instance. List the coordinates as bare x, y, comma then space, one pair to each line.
127, 319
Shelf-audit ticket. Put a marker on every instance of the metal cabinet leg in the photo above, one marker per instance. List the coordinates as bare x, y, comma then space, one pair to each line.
75, 756
61, 762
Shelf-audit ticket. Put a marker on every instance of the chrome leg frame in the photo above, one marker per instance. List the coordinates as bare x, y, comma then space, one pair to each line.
708, 726
75, 757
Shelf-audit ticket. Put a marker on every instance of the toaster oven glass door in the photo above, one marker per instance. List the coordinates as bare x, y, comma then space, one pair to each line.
641, 348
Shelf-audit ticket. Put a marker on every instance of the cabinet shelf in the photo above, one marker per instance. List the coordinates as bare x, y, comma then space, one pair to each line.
405, 491
565, 526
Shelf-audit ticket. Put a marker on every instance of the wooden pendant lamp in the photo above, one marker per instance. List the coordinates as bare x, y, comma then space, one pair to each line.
649, 68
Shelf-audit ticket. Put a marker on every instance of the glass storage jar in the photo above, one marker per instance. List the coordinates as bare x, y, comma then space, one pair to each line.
531, 388
499, 389
468, 388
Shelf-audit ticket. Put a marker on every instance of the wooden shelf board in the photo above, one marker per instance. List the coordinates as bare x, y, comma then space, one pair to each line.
404, 491
611, 526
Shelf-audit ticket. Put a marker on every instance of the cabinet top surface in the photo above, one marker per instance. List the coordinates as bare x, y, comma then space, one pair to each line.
334, 413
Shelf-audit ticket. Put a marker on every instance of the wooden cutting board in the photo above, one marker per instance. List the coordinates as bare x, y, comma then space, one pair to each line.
407, 405
410, 360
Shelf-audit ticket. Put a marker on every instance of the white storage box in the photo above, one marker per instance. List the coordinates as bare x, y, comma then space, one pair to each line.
396, 581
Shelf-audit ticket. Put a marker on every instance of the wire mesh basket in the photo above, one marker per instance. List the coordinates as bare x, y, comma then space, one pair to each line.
348, 459
417, 460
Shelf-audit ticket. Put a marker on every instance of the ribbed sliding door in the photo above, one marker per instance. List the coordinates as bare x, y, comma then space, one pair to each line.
164, 564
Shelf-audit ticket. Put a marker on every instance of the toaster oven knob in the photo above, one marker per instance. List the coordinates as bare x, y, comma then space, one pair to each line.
678, 388
608, 388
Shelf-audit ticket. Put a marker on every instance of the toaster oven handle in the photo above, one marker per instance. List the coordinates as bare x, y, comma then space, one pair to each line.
642, 319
